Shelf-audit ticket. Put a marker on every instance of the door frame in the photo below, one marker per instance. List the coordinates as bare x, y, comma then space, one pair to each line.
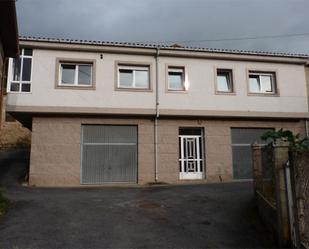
200, 142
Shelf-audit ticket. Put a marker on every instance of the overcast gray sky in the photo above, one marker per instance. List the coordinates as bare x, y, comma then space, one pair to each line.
172, 20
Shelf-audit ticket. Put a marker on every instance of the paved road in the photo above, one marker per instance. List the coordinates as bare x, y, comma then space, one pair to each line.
200, 216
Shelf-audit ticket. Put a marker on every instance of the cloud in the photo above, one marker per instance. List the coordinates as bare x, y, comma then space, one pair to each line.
171, 20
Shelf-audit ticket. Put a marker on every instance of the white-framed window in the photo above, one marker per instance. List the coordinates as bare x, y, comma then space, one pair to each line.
225, 81
262, 82
20, 72
75, 74
176, 79
133, 77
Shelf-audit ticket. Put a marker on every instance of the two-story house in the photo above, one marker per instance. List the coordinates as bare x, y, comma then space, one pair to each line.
105, 112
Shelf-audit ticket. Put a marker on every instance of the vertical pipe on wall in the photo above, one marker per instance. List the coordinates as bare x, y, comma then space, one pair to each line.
307, 84
157, 115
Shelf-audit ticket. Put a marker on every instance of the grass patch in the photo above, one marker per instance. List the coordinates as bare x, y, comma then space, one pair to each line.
4, 203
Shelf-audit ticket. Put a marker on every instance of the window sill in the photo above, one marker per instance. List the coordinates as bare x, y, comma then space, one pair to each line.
75, 87
176, 91
19, 93
264, 94
225, 93
123, 89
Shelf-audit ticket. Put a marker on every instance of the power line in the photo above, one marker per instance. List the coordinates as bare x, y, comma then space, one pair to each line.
237, 39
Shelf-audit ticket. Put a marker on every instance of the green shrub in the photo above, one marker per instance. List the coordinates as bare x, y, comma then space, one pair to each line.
294, 141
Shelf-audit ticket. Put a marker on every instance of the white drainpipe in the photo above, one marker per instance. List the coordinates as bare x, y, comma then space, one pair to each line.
157, 115
306, 120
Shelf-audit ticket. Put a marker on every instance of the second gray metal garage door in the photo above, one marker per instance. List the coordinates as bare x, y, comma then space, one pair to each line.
242, 138
109, 154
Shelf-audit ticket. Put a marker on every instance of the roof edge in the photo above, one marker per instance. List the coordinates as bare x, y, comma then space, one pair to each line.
162, 47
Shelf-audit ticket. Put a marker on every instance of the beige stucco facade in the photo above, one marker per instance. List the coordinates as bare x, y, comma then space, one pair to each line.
56, 147
200, 76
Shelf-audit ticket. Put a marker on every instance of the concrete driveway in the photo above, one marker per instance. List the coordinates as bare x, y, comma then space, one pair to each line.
199, 216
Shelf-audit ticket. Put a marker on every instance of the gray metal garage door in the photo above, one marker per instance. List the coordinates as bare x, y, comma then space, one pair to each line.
109, 154
242, 138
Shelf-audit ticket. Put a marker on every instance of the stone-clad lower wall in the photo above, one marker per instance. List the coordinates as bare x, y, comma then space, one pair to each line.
218, 150
55, 151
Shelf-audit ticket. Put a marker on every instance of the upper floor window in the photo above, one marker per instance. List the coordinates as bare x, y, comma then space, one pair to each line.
133, 77
224, 81
262, 82
75, 74
20, 72
176, 79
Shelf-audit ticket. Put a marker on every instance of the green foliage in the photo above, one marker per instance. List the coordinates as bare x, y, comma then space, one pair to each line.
294, 141
4, 203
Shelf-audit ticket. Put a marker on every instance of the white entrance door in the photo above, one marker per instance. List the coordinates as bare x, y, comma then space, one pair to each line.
191, 158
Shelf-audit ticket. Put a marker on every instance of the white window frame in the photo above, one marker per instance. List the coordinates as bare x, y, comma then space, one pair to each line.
272, 79
75, 84
134, 69
230, 80
177, 70
20, 81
